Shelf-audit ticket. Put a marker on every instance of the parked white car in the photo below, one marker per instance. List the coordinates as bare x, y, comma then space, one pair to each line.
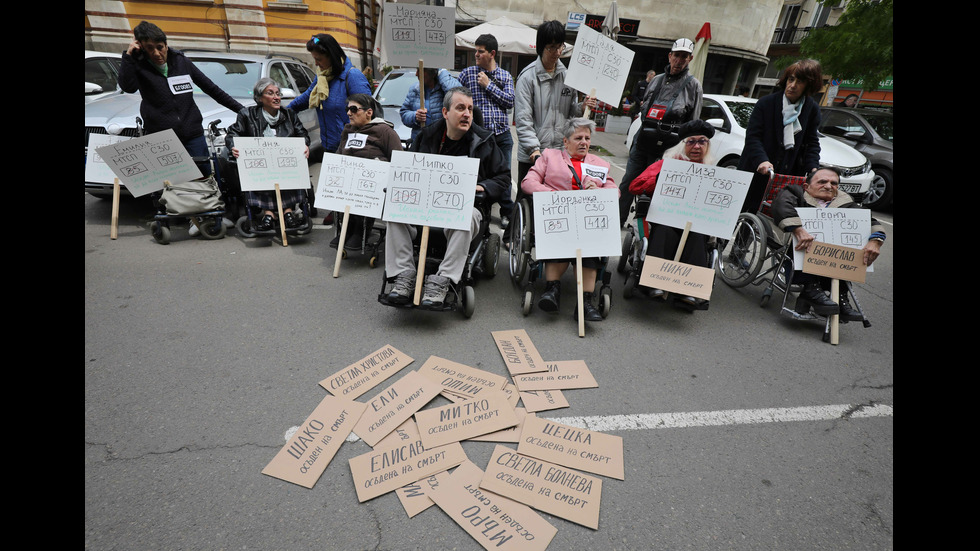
730, 115
101, 74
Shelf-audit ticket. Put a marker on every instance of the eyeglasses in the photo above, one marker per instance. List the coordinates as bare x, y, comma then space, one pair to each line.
276, 93
696, 141
554, 48
355, 109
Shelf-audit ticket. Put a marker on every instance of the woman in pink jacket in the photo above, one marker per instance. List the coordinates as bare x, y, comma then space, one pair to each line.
571, 167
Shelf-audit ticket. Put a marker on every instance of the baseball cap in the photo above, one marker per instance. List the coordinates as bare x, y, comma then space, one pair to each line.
683, 45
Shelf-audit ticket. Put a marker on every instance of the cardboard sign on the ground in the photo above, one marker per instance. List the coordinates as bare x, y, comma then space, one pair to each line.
582, 449
309, 451
366, 373
561, 375
393, 405
517, 350
543, 400
512, 434
386, 469
494, 521
460, 379
487, 413
414, 497
547, 487
834, 261
677, 277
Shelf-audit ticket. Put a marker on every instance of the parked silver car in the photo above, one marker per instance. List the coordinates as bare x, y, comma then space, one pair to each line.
236, 74
870, 132
101, 74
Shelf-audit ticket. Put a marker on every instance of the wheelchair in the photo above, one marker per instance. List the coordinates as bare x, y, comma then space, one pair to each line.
634, 254
372, 239
301, 210
525, 270
760, 252
481, 260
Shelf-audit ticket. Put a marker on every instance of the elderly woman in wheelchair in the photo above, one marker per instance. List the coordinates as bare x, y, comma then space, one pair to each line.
694, 146
821, 190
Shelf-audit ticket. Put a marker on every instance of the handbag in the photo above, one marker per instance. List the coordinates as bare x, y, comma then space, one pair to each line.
192, 197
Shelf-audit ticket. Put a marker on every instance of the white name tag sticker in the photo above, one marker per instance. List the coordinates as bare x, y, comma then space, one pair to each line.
180, 84
356, 141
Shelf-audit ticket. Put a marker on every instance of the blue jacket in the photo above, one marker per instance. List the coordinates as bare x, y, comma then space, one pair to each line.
433, 102
332, 114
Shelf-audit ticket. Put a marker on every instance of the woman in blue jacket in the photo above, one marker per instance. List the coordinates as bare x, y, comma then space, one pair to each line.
335, 79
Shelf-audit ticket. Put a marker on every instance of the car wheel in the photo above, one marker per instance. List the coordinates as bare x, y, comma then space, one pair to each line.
879, 195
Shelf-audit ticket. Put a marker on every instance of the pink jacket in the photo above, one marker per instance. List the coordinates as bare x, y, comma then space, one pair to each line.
553, 172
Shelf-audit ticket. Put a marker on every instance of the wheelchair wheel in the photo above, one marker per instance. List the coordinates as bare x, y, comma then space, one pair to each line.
244, 227
160, 233
520, 241
492, 255
631, 280
469, 301
627, 252
526, 302
605, 300
212, 228
742, 257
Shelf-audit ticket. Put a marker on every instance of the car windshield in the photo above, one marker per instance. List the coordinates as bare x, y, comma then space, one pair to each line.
741, 111
882, 125
395, 88
235, 77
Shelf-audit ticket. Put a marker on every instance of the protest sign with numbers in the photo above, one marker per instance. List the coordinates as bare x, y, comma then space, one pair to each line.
599, 63
142, 164
351, 181
565, 221
431, 190
709, 197
413, 32
265, 162
843, 227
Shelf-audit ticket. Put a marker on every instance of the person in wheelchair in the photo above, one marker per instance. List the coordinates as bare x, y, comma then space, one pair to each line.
267, 118
368, 136
455, 134
821, 190
559, 170
695, 147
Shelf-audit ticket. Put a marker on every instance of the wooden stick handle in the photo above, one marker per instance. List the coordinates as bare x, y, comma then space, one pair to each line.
422, 89
420, 275
587, 109
282, 223
114, 225
578, 292
340, 244
835, 319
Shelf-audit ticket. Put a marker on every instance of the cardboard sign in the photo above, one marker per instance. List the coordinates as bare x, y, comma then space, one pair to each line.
351, 181
567, 221
841, 227
494, 521
431, 190
487, 413
366, 373
517, 350
512, 434
547, 487
414, 497
461, 380
309, 451
96, 169
582, 449
412, 32
601, 63
560, 375
386, 469
265, 162
708, 196
142, 164
407, 431
677, 277
543, 400
393, 405
835, 261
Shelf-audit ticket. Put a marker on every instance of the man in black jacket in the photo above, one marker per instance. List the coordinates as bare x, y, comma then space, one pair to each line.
454, 135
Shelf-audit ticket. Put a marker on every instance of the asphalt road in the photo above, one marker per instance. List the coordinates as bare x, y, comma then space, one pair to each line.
200, 356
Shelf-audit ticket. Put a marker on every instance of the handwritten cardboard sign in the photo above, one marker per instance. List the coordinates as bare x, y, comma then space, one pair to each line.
309, 451
560, 375
677, 277
461, 380
599, 62
547, 487
407, 431
351, 181
385, 470
710, 197
142, 164
431, 190
366, 373
393, 405
414, 497
582, 449
265, 162
96, 169
512, 434
517, 350
543, 400
567, 221
835, 261
494, 521
842, 227
486, 413
412, 32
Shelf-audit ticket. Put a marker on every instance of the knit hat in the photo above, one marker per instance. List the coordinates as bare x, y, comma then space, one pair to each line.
696, 127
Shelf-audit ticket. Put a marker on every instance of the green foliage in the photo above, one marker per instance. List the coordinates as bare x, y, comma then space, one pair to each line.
859, 47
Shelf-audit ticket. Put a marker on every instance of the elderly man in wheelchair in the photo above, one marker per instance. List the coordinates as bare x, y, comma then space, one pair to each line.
455, 134
820, 190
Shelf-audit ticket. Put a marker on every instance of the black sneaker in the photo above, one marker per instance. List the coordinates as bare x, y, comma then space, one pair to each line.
265, 224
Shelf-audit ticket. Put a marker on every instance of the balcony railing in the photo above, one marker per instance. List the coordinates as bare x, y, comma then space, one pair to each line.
790, 35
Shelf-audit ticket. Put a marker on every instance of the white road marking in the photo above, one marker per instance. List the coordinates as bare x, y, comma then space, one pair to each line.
642, 421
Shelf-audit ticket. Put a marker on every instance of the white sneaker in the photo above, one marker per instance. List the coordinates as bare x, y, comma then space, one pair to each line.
193, 230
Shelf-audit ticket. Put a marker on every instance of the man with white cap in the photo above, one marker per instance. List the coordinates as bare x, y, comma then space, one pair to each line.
671, 99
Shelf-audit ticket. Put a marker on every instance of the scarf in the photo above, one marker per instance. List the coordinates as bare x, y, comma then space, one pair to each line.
321, 91
271, 121
791, 123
